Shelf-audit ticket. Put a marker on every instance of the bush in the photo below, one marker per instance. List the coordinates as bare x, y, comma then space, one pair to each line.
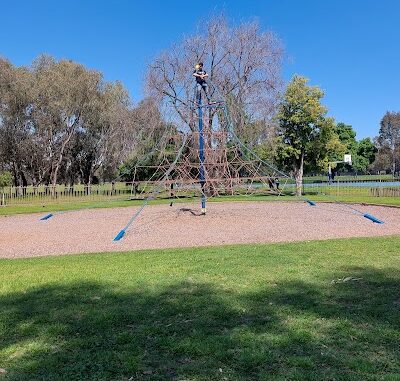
5, 179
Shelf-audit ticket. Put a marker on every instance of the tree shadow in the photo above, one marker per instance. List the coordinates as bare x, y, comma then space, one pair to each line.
339, 329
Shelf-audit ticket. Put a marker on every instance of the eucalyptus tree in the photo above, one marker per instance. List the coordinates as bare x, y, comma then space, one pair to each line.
15, 127
61, 122
103, 126
145, 137
66, 94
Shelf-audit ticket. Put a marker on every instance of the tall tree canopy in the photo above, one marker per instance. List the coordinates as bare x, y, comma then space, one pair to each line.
365, 155
347, 136
243, 62
60, 121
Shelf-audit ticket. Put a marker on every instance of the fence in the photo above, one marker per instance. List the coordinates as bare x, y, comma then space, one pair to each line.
54, 194
126, 191
385, 192
363, 188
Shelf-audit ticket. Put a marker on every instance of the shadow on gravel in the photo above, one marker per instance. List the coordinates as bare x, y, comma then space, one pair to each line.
342, 329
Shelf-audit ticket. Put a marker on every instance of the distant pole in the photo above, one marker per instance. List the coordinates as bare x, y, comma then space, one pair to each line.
201, 154
329, 173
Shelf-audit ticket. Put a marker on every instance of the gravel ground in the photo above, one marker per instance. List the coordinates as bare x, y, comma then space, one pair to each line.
162, 226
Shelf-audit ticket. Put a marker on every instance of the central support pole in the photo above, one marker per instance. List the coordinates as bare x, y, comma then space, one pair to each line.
201, 155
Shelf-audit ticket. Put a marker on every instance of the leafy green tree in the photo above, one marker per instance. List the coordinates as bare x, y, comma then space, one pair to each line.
306, 136
5, 179
362, 152
347, 136
365, 155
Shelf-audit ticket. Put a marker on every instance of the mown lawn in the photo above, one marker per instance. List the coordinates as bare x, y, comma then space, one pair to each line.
327, 310
71, 204
46, 207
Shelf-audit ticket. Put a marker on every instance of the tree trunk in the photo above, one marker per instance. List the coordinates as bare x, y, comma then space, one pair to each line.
393, 161
61, 155
15, 174
298, 175
90, 180
24, 181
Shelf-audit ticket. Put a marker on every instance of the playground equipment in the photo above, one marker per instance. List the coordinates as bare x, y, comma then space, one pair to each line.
346, 159
215, 161
211, 161
201, 155
46, 217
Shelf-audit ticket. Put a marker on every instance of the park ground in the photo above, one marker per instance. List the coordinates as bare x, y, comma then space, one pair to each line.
320, 310
181, 225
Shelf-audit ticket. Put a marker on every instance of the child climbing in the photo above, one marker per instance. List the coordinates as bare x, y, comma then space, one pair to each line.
201, 83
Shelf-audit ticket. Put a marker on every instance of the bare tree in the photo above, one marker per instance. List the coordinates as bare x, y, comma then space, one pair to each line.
244, 69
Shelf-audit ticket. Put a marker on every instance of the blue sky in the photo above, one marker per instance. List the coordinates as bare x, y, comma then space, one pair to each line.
351, 49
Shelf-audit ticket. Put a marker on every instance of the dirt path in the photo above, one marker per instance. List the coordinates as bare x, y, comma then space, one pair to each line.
162, 226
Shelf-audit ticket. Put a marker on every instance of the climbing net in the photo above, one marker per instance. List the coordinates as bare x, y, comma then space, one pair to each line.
218, 165
207, 161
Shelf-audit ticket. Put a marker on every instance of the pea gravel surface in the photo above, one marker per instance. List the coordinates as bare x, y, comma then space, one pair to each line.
162, 226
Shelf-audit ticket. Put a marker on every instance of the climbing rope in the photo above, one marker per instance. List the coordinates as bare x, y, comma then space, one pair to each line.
312, 203
161, 186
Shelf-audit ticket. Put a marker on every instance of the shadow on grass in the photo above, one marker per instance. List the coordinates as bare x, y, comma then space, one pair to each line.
347, 329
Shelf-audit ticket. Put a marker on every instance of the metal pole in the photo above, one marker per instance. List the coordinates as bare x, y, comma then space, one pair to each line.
201, 155
329, 173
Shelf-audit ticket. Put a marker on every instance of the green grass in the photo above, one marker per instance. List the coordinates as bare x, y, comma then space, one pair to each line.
306, 311
353, 196
357, 199
47, 207
65, 202
353, 178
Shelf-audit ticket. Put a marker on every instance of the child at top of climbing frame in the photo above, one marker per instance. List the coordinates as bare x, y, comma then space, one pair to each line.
201, 83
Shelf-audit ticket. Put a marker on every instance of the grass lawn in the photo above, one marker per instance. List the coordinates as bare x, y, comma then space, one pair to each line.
71, 204
327, 310
63, 206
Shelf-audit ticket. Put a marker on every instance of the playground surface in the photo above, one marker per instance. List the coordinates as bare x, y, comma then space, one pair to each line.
162, 226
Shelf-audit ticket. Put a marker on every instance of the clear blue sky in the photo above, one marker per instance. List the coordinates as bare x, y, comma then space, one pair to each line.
350, 48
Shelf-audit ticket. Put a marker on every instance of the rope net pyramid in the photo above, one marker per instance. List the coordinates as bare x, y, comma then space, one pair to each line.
199, 154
